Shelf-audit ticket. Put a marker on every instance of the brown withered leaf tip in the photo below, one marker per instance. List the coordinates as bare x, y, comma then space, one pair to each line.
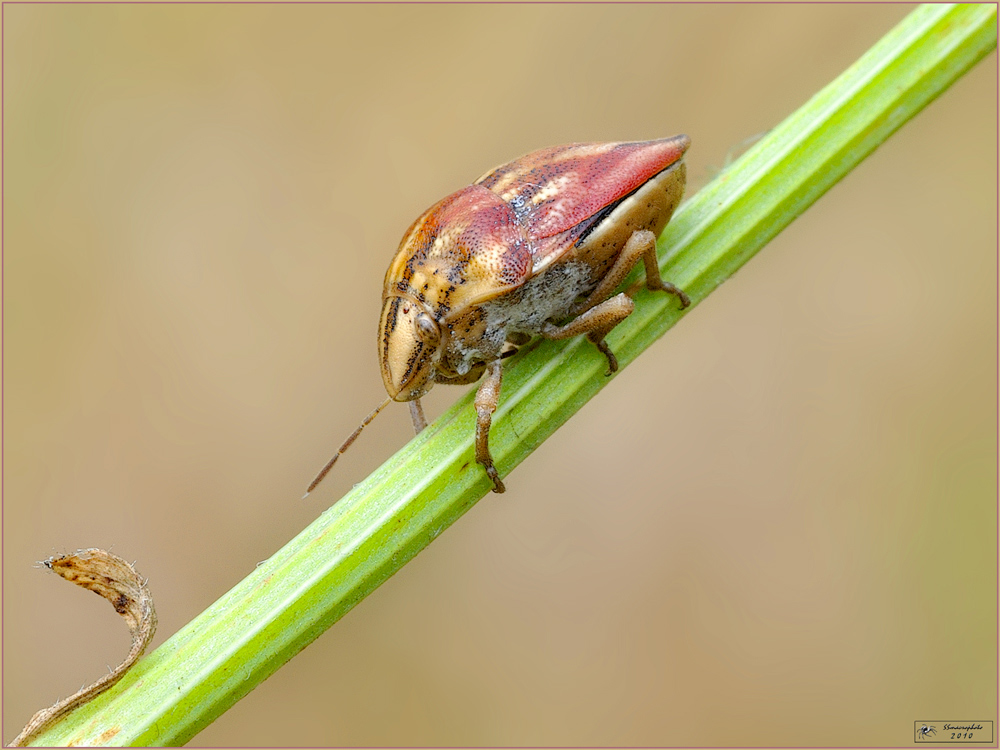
117, 581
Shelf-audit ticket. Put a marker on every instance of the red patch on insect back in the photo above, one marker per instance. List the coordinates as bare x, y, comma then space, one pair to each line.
555, 189
468, 247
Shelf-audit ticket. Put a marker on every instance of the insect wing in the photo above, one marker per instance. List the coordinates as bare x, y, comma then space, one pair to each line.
553, 192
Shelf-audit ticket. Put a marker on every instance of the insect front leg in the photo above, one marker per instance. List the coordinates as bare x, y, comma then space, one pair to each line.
596, 323
486, 403
641, 244
417, 416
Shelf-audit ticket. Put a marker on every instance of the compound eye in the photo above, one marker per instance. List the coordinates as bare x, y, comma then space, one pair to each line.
426, 329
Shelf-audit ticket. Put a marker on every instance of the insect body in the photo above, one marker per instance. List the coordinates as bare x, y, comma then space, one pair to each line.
535, 247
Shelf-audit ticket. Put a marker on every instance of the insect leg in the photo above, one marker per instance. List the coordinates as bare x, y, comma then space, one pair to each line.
654, 282
486, 403
640, 244
417, 415
596, 322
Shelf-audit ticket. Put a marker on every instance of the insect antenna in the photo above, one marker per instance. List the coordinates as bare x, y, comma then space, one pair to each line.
347, 444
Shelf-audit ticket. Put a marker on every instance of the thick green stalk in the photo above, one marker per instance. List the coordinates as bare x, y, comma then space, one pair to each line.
375, 529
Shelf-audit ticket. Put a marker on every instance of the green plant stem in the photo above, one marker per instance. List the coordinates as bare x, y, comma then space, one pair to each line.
374, 530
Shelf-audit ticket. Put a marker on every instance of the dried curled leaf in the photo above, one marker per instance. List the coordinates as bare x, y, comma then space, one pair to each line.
117, 581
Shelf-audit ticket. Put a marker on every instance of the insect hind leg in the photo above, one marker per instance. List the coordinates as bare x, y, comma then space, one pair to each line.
641, 244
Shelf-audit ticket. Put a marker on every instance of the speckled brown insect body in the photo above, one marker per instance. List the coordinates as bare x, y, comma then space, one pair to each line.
535, 247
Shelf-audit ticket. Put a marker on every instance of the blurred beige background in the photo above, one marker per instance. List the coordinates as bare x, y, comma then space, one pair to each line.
200, 204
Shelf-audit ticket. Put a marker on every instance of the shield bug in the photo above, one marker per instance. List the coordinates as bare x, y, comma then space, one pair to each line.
535, 247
